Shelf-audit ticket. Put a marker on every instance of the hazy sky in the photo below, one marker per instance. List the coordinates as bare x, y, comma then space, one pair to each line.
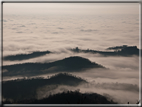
70, 8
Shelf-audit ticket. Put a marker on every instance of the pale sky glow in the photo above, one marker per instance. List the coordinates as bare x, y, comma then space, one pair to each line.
43, 8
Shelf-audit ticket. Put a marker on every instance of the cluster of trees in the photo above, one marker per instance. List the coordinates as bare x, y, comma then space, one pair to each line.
68, 75
69, 97
118, 51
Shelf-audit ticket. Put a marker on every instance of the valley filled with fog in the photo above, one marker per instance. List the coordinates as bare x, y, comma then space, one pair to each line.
56, 50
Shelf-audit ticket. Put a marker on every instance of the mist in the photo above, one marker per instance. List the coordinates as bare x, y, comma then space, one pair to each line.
44, 34
114, 94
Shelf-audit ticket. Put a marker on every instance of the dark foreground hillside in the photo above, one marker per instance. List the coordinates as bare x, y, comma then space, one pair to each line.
27, 88
69, 97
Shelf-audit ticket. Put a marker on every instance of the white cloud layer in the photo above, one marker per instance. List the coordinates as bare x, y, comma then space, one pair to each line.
86, 27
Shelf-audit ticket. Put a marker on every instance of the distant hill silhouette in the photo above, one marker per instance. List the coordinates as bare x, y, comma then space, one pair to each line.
118, 47
118, 51
70, 97
26, 88
26, 56
69, 64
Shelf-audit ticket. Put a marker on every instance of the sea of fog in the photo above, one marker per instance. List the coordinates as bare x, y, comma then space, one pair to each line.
23, 34
57, 33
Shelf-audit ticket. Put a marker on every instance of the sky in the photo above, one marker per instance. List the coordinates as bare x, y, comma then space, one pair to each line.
70, 8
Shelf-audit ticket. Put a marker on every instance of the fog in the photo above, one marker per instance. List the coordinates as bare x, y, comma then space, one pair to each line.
57, 27
117, 94
36, 32
117, 84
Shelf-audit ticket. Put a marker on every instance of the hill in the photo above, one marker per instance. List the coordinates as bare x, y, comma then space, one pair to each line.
69, 64
26, 56
69, 97
118, 51
27, 88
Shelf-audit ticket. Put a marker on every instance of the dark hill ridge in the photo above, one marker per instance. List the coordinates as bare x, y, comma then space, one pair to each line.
69, 64
119, 47
66, 79
123, 50
70, 97
118, 51
26, 56
76, 62
26, 88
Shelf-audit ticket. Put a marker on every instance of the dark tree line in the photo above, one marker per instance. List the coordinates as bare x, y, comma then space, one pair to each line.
118, 51
69, 97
